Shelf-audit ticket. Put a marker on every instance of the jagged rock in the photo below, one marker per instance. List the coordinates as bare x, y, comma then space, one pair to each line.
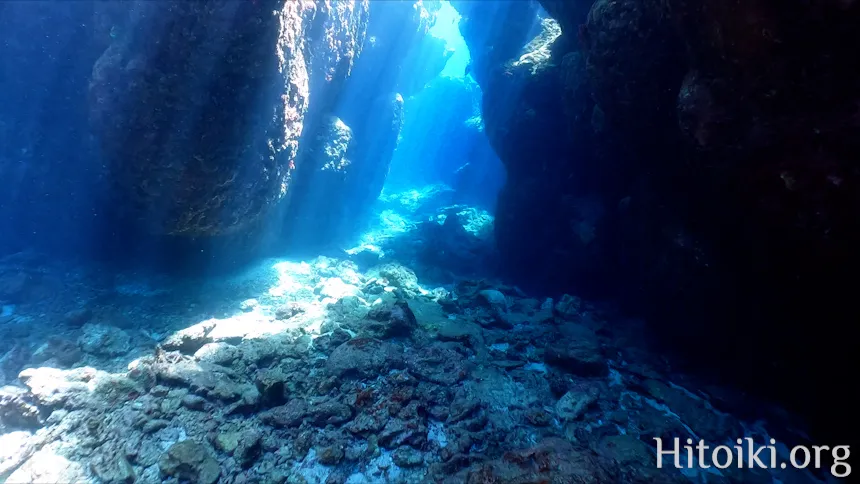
210, 381
365, 357
189, 460
290, 415
568, 307
328, 413
104, 340
368, 422
438, 363
403, 279
47, 466
390, 321
272, 384
398, 432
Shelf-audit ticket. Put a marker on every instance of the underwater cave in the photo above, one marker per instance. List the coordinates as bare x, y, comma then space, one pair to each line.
408, 241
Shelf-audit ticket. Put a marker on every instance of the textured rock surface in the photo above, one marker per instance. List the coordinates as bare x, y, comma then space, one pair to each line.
448, 399
176, 103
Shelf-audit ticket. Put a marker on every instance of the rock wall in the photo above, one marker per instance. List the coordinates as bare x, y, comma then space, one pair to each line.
693, 159
199, 107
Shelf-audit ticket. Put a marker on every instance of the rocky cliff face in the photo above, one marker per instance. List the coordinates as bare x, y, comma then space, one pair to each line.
694, 159
199, 107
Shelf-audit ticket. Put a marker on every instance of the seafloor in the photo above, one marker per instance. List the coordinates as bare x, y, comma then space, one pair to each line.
347, 370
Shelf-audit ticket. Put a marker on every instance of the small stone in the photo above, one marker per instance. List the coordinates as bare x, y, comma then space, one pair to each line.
193, 402
227, 441
330, 455
191, 461
574, 403
407, 457
153, 426
290, 415
329, 413
248, 450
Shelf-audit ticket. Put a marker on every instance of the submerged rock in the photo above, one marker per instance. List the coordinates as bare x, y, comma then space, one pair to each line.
390, 321
438, 363
574, 403
365, 357
191, 461
104, 340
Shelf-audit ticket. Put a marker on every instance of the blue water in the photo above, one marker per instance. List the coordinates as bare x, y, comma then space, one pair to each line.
245, 247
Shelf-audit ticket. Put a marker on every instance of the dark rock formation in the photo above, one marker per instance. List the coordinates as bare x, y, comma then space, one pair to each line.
693, 159
199, 108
